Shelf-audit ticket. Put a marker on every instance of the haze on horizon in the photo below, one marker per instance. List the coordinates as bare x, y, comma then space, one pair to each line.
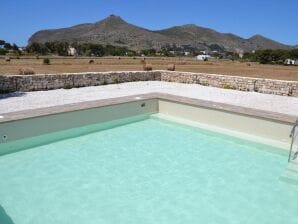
275, 20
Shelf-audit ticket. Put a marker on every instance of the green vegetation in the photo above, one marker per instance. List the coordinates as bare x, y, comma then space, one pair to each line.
6, 48
82, 49
46, 61
204, 83
67, 86
228, 86
94, 50
62, 48
271, 56
148, 52
3, 51
115, 80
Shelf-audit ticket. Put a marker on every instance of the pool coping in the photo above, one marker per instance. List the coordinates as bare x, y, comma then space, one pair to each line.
46, 111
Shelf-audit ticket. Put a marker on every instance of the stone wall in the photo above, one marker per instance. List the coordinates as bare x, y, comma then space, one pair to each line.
269, 86
13, 83
25, 83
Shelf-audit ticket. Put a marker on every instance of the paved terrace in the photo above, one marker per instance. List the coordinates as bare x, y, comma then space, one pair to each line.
32, 100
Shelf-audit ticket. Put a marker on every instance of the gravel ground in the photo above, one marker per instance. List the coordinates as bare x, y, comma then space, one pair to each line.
30, 100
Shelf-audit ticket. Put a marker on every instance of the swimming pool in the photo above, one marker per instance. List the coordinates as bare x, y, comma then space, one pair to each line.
144, 169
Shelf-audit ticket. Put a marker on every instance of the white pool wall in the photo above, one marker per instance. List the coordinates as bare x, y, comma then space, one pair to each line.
252, 128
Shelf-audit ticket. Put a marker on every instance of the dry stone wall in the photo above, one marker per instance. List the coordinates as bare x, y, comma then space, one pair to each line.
25, 83
269, 86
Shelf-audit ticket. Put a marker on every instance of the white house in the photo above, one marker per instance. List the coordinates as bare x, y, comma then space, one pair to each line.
72, 51
202, 57
203, 52
291, 62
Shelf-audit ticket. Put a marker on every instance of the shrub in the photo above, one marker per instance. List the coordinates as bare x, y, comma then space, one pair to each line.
228, 86
204, 83
67, 86
115, 80
147, 67
171, 67
7, 59
37, 57
26, 71
46, 61
91, 61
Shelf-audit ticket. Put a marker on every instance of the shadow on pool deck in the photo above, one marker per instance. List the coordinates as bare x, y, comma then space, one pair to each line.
15, 94
4, 217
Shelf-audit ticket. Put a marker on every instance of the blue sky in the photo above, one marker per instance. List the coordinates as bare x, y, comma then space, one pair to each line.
274, 19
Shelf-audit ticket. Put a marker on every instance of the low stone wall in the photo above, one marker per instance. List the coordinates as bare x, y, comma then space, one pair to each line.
269, 86
25, 83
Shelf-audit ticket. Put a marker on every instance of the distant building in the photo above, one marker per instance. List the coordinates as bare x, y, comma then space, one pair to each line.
186, 53
240, 53
72, 51
203, 57
22, 49
291, 62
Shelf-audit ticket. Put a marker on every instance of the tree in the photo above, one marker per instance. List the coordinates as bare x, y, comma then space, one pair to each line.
2, 42
293, 54
37, 48
148, 52
3, 51
15, 47
7, 46
96, 50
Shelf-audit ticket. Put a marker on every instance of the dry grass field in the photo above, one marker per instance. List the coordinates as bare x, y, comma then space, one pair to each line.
64, 65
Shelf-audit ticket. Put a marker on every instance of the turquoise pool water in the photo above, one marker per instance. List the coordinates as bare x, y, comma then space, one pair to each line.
147, 172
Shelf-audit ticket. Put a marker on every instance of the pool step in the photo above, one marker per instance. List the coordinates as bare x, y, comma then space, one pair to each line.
293, 167
290, 175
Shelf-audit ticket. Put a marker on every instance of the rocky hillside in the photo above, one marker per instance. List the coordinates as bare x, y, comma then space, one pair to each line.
115, 31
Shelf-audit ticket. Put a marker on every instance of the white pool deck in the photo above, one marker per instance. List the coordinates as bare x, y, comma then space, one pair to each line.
32, 100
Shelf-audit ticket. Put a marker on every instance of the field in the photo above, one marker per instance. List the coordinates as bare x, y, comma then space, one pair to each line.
64, 65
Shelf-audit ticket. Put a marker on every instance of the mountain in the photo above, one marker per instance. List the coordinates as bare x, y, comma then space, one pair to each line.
263, 42
112, 30
115, 31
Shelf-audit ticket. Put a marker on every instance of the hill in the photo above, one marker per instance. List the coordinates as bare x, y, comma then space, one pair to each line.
115, 31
